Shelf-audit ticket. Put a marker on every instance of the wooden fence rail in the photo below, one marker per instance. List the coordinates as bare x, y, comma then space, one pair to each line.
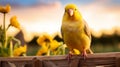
94, 60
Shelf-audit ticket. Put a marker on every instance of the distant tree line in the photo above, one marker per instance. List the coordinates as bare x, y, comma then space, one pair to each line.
104, 39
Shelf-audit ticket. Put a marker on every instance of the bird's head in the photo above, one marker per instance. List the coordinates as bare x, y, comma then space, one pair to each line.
71, 10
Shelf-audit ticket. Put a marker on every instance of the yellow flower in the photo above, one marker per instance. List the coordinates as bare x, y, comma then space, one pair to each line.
54, 45
45, 38
5, 9
14, 22
42, 51
19, 51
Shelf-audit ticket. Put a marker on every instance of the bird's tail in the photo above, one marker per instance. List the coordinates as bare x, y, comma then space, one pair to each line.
89, 51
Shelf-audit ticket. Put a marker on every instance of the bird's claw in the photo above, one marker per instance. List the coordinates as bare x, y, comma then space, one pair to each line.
69, 57
84, 55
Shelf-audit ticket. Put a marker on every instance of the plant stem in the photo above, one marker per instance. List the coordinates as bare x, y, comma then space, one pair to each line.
8, 27
63, 48
48, 46
11, 49
48, 53
4, 43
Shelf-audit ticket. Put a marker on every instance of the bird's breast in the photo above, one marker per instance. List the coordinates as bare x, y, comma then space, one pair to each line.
71, 27
74, 35
71, 32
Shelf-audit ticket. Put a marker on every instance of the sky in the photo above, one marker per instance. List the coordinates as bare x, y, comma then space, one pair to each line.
37, 16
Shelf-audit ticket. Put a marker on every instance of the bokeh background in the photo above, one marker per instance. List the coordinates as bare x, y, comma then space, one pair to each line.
45, 16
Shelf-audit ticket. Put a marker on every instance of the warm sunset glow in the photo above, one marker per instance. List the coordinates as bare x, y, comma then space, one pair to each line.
47, 17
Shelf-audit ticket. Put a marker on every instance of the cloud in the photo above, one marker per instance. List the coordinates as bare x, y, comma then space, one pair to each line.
39, 12
47, 17
100, 15
27, 3
38, 18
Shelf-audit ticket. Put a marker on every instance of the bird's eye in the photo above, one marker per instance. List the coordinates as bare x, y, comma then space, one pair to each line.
65, 10
75, 9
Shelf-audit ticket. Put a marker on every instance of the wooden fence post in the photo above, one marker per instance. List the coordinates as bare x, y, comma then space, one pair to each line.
117, 61
93, 60
37, 62
74, 63
0, 64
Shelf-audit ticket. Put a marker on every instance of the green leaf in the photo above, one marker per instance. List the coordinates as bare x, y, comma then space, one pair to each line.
4, 52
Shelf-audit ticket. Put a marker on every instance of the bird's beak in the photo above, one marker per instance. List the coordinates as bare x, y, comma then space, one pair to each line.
70, 12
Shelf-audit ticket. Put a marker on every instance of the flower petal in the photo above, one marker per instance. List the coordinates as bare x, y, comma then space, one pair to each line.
14, 22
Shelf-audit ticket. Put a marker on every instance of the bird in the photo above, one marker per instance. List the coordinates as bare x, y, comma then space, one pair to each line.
75, 31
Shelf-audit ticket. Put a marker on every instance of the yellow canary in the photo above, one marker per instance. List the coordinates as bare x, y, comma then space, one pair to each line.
75, 31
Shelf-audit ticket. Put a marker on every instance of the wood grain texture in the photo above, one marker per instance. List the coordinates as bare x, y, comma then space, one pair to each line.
93, 60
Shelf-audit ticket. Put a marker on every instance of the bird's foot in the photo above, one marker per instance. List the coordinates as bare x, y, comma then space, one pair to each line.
69, 56
84, 55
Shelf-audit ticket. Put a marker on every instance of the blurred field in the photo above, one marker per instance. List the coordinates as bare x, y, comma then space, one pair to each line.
102, 44
106, 43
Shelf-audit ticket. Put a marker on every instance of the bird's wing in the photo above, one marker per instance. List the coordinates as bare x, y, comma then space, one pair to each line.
86, 29
87, 32
62, 34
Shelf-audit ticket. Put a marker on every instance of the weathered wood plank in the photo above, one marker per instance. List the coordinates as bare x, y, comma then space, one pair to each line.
17, 62
118, 61
0, 64
93, 60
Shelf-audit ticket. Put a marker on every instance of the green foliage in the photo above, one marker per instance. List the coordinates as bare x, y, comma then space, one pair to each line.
6, 43
4, 52
1, 35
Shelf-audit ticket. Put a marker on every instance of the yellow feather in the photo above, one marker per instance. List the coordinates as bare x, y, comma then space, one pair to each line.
74, 31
